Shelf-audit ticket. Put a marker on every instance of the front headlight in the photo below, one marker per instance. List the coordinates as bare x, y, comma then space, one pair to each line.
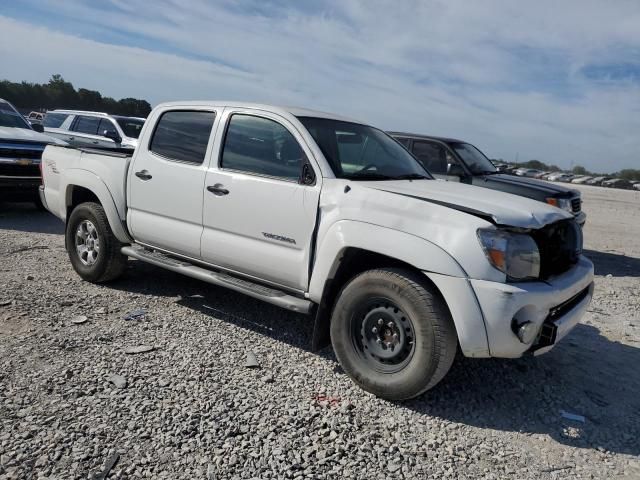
563, 203
515, 254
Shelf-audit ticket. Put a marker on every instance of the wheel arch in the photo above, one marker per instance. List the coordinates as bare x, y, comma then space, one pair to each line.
351, 248
83, 186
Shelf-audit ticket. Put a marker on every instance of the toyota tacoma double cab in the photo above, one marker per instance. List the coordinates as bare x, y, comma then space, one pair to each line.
459, 161
329, 217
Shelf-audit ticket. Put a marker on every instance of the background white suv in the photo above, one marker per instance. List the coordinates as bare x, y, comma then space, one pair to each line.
93, 129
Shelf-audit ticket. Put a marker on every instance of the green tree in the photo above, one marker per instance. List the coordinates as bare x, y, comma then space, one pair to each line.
58, 93
579, 170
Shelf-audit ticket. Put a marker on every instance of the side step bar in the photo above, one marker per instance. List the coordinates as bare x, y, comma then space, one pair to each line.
255, 290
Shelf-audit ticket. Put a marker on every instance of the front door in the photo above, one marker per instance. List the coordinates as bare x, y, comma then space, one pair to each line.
258, 217
436, 159
166, 181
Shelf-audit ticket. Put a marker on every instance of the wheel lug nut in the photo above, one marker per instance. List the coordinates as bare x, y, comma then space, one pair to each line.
390, 324
378, 340
395, 336
380, 321
374, 330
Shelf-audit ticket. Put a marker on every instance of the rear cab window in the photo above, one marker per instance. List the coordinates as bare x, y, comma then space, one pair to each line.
182, 135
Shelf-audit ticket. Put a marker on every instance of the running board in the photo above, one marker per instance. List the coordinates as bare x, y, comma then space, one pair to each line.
255, 290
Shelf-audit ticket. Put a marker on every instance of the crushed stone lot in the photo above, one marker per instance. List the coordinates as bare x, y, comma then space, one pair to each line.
226, 386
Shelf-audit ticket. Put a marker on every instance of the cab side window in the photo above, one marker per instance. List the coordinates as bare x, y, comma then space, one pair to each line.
261, 146
432, 155
182, 135
86, 124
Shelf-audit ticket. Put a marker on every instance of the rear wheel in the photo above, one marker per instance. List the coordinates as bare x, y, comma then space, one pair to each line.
392, 333
93, 249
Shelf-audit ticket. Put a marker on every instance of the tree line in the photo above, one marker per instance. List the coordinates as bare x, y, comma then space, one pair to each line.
58, 93
627, 173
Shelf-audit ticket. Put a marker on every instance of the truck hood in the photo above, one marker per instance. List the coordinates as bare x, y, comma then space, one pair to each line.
531, 183
24, 134
493, 206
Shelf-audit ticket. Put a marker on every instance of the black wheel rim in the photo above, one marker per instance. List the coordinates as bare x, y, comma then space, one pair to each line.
383, 335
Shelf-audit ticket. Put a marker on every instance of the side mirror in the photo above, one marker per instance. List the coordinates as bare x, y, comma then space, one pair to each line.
113, 135
307, 176
37, 127
455, 170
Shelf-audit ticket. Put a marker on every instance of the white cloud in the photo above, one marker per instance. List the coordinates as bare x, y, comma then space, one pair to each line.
506, 76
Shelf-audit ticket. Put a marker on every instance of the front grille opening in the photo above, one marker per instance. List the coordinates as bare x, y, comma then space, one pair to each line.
576, 204
13, 170
560, 246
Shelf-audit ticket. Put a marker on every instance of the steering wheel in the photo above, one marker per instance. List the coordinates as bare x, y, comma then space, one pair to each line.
367, 167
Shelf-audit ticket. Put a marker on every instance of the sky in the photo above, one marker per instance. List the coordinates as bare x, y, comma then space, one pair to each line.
547, 80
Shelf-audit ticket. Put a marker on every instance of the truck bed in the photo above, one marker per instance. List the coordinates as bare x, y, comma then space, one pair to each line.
63, 166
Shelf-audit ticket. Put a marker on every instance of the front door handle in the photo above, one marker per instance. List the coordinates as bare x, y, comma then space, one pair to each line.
218, 189
143, 175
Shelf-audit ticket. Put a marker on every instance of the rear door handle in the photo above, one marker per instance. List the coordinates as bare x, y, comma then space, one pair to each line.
143, 175
218, 189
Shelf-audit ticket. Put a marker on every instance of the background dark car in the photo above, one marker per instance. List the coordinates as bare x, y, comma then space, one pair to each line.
459, 161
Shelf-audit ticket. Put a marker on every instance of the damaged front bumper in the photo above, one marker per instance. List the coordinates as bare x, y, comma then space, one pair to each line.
552, 308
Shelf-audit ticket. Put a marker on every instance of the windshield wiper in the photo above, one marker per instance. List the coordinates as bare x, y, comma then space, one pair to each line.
412, 176
488, 172
368, 176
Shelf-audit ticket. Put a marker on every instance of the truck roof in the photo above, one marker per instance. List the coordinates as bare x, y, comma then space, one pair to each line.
426, 137
281, 110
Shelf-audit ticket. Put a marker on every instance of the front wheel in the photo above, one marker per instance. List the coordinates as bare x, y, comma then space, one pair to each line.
393, 334
93, 249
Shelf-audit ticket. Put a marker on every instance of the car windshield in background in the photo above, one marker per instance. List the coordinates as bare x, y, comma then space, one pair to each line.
10, 118
360, 152
474, 158
130, 126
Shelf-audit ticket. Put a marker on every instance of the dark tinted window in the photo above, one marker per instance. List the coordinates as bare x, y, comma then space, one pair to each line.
54, 120
106, 124
432, 155
183, 135
9, 117
87, 125
262, 146
130, 126
404, 142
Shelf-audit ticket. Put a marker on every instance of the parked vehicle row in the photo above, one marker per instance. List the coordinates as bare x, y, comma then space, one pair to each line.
458, 161
93, 129
329, 216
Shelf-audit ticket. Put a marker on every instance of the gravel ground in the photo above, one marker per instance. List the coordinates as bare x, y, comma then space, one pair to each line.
72, 401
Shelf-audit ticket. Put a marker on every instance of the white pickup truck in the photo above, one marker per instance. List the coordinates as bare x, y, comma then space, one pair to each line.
330, 217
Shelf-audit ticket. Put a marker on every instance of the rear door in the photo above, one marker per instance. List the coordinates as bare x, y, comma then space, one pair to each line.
258, 216
84, 131
166, 180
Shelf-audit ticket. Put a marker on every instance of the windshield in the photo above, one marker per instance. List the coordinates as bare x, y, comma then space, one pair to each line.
10, 118
130, 126
473, 158
360, 152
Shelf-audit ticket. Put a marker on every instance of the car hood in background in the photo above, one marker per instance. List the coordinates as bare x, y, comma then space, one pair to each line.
494, 206
26, 135
532, 183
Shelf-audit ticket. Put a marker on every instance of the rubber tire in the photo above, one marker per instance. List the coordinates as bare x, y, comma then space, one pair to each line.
110, 263
435, 343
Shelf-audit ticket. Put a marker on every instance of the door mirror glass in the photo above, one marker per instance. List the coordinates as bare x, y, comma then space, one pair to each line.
38, 127
112, 134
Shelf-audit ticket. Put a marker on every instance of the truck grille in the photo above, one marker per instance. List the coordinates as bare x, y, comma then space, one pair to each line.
576, 204
21, 149
560, 246
14, 170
